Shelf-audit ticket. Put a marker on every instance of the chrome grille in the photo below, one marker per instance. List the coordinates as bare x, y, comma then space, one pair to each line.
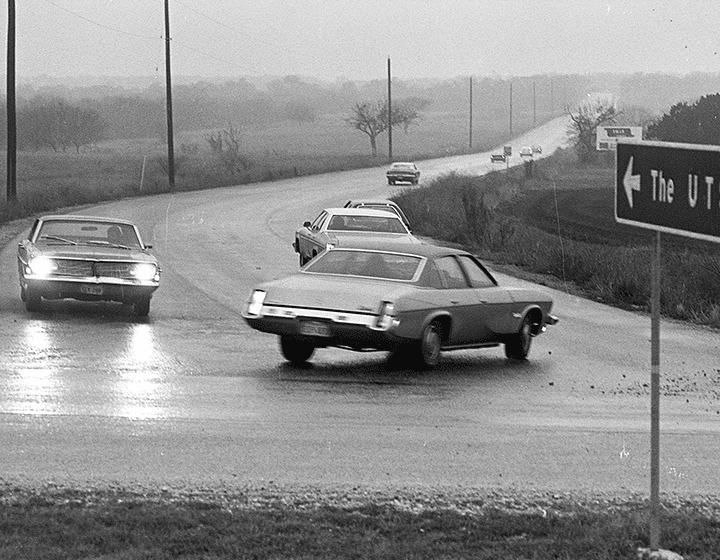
114, 269
66, 267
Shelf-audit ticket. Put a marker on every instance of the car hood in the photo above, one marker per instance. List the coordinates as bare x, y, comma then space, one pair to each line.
358, 237
97, 253
324, 291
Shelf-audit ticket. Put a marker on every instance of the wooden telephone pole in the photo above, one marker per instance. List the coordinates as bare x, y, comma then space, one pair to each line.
11, 112
168, 94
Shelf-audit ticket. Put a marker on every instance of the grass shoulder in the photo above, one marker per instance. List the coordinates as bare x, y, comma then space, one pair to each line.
336, 523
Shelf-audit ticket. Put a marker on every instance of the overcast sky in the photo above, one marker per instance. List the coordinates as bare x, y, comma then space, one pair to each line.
352, 39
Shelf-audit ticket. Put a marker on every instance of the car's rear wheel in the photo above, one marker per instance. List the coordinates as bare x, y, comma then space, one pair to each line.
428, 354
518, 346
142, 307
33, 302
295, 351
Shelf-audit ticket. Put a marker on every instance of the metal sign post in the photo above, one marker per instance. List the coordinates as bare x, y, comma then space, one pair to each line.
673, 188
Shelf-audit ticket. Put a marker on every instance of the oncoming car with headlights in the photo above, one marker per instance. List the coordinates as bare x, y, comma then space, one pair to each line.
86, 258
412, 300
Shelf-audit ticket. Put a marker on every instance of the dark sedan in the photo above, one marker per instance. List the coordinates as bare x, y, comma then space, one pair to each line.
412, 300
86, 258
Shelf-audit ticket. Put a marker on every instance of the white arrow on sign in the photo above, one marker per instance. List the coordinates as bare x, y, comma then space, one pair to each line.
631, 182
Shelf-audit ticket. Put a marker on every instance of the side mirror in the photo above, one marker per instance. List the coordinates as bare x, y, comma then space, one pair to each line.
307, 225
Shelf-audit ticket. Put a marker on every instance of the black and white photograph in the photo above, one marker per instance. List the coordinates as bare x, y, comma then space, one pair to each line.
378, 279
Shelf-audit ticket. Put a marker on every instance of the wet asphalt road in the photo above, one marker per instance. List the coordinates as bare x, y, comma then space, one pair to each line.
89, 393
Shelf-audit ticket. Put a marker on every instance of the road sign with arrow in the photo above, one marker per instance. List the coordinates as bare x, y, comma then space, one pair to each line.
669, 187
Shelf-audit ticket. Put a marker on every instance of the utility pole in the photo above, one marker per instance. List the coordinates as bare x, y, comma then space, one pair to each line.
534, 104
168, 94
510, 108
390, 123
471, 114
11, 195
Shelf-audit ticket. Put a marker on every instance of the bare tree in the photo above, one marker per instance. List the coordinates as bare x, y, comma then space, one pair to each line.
595, 111
372, 118
226, 145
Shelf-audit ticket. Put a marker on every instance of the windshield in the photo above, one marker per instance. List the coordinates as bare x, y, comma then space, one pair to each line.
77, 232
373, 264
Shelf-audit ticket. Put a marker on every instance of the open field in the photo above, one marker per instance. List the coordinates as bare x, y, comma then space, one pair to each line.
47, 180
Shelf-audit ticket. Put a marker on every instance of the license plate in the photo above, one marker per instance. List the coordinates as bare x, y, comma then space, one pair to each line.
314, 328
91, 289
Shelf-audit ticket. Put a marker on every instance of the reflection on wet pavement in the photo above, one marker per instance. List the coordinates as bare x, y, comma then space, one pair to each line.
85, 365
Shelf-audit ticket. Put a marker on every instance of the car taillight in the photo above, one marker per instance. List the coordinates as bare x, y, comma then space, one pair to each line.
385, 316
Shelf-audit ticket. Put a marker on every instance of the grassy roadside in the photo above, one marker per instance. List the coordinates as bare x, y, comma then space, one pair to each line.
556, 225
274, 522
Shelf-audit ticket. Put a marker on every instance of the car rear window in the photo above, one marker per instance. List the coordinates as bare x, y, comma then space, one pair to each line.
379, 224
372, 264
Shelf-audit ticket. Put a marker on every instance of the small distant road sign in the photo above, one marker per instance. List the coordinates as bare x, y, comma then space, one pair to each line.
669, 187
607, 136
507, 151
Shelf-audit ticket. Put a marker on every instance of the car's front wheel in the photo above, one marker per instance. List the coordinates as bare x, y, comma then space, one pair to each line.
429, 346
518, 346
295, 351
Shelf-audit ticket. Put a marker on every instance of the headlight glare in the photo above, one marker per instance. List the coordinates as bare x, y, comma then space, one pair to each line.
255, 303
42, 266
329, 246
144, 271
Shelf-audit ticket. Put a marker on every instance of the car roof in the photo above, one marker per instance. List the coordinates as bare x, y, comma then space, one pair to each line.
378, 201
424, 249
399, 163
361, 212
78, 218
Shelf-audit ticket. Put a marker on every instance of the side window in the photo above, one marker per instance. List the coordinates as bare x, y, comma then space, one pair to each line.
431, 277
451, 273
479, 278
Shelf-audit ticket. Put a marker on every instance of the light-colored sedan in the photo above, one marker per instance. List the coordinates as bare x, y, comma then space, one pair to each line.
334, 227
86, 258
412, 300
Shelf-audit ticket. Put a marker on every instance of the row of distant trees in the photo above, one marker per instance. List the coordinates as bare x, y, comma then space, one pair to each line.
695, 123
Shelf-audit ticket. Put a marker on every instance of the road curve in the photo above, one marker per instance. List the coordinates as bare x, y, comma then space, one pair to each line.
90, 394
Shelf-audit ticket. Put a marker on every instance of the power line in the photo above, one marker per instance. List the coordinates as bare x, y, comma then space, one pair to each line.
98, 23
177, 44
233, 29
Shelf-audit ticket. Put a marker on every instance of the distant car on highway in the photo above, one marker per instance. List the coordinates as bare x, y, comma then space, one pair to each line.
379, 204
497, 158
334, 227
403, 172
86, 258
526, 151
413, 300
536, 149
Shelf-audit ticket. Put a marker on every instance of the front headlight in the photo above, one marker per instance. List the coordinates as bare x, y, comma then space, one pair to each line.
144, 271
255, 303
42, 266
